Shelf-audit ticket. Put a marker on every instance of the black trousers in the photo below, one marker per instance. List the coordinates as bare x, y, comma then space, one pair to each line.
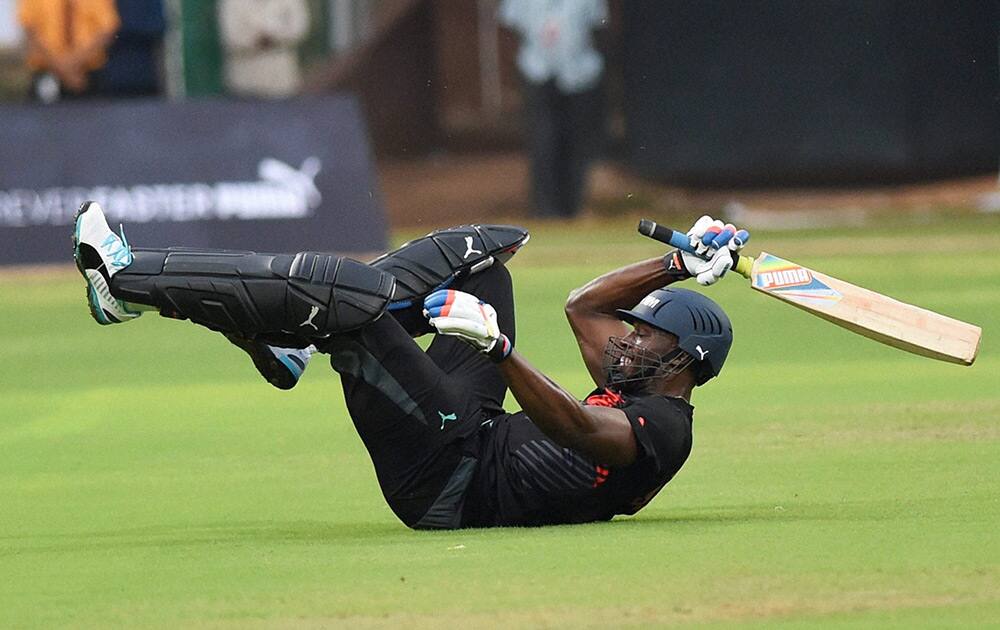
419, 413
564, 132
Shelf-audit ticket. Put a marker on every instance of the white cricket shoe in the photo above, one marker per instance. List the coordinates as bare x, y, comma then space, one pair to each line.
100, 254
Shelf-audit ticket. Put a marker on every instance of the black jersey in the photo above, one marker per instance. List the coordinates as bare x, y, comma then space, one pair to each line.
525, 478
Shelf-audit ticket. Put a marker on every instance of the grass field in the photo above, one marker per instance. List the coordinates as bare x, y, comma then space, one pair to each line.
150, 478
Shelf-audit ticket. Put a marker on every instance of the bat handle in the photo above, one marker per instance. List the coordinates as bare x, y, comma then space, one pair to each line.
665, 235
744, 266
649, 228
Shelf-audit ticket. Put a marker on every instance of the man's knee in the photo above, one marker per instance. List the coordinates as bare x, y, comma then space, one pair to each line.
493, 282
494, 286
443, 257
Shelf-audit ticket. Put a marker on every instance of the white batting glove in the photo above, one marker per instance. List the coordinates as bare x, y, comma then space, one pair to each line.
698, 231
465, 316
717, 245
708, 272
718, 235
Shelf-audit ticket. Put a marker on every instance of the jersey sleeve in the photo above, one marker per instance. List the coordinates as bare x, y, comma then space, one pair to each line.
662, 427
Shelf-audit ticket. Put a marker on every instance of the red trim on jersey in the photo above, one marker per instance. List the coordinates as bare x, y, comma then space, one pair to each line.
607, 399
601, 475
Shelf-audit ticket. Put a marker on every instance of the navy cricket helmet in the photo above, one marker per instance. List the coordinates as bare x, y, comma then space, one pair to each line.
702, 328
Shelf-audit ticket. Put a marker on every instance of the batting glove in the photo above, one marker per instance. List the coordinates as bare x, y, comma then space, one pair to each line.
465, 316
704, 225
683, 265
717, 245
708, 234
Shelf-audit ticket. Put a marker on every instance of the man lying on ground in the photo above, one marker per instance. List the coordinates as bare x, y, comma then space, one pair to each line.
445, 452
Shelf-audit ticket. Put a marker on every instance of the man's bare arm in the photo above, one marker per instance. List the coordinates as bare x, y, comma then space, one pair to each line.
591, 308
603, 434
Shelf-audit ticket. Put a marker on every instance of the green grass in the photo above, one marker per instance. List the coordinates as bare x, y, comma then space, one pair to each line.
149, 477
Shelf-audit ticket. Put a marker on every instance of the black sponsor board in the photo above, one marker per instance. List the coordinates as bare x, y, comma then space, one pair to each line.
265, 176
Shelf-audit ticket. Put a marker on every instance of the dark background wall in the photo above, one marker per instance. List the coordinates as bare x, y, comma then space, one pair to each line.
787, 92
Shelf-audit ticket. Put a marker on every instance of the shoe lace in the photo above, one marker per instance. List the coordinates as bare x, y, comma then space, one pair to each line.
118, 249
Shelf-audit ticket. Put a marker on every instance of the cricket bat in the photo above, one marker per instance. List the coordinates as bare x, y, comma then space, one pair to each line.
859, 310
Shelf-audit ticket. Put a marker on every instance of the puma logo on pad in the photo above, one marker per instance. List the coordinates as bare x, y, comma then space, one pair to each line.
309, 320
468, 248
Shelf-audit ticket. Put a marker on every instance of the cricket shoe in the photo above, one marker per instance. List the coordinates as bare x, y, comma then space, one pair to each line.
281, 367
100, 254
437, 260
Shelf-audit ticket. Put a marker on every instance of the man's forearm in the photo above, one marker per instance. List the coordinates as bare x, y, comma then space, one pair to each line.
551, 407
591, 308
601, 434
620, 288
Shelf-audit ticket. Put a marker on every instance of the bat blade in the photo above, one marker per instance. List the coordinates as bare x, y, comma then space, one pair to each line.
866, 312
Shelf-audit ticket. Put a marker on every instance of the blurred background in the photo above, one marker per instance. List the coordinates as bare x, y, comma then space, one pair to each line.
266, 123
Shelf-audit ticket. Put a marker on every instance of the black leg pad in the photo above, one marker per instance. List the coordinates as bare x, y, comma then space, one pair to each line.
435, 261
302, 296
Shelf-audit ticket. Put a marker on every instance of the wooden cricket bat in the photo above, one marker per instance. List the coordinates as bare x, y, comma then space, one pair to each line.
859, 310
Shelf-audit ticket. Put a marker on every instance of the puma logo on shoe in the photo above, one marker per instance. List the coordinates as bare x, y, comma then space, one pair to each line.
703, 353
468, 248
309, 320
